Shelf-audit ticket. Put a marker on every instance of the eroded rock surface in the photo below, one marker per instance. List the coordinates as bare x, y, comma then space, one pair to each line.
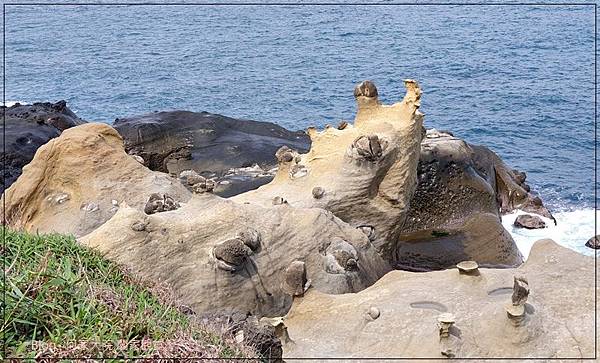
26, 128
77, 181
220, 255
558, 317
367, 169
462, 192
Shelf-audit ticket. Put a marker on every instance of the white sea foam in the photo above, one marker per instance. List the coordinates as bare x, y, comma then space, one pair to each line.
573, 229
12, 103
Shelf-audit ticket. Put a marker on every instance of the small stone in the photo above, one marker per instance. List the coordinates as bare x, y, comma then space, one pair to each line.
279, 201
367, 147
528, 221
232, 251
593, 242
138, 158
239, 336
114, 203
89, 207
369, 231
520, 291
251, 238
373, 313
318, 192
467, 267
294, 279
342, 125
139, 226
284, 154
160, 203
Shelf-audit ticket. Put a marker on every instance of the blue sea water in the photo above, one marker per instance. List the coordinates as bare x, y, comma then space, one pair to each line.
519, 79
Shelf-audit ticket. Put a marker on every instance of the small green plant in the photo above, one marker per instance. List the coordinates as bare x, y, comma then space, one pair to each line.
64, 300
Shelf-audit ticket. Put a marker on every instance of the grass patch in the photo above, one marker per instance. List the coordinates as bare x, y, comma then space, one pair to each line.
65, 300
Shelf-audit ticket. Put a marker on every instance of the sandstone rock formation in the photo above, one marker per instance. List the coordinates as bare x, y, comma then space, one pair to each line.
77, 181
558, 320
330, 220
223, 256
365, 173
26, 128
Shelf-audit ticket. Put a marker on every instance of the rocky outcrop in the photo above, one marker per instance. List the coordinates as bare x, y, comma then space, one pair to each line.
26, 128
528, 221
220, 255
77, 181
557, 319
364, 173
462, 192
204, 142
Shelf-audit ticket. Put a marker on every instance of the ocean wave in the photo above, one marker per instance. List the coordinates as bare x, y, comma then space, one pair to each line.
572, 230
12, 103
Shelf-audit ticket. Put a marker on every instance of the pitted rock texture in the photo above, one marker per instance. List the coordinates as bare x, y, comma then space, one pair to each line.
462, 192
190, 249
87, 169
367, 169
26, 128
558, 322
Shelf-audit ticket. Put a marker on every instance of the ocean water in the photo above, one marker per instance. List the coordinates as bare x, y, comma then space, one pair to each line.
519, 79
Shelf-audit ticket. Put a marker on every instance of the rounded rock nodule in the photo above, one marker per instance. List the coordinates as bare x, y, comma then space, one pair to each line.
318, 192
365, 89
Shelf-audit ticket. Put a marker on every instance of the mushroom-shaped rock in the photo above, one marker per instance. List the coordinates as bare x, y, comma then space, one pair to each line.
365, 89
294, 279
445, 321
233, 252
284, 154
520, 291
467, 267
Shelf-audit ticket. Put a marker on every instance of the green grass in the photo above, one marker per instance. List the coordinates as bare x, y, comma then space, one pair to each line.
64, 300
